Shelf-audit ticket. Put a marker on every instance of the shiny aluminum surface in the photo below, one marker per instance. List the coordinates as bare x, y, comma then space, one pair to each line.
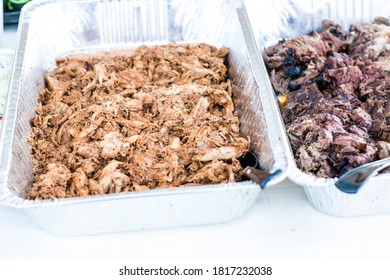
280, 19
49, 29
6, 57
353, 180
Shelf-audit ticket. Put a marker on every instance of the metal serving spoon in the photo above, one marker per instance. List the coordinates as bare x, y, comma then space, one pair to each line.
252, 171
353, 180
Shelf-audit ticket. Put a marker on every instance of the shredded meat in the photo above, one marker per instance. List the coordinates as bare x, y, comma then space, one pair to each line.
156, 117
337, 85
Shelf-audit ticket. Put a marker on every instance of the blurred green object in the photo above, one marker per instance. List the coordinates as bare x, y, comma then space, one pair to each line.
14, 5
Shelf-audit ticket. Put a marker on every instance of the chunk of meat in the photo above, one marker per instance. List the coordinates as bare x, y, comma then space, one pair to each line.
51, 184
113, 145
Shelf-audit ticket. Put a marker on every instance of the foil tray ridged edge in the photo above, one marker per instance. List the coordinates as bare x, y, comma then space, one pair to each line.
240, 196
322, 193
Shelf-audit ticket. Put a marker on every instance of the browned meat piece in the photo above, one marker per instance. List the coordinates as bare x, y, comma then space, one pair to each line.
304, 100
53, 183
337, 60
155, 117
337, 112
383, 149
345, 75
371, 41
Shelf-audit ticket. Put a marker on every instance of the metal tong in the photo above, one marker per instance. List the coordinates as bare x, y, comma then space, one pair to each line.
354, 179
252, 171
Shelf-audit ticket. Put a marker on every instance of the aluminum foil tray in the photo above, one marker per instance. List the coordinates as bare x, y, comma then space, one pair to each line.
6, 57
275, 20
49, 29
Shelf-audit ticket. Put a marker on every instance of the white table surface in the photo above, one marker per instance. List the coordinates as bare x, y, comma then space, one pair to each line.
281, 225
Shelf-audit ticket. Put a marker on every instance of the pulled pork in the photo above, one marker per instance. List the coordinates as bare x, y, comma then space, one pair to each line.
337, 86
155, 117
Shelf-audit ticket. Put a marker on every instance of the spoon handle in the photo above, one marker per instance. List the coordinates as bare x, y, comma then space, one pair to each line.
354, 179
260, 177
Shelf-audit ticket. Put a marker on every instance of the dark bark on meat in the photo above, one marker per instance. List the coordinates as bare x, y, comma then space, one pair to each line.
337, 112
